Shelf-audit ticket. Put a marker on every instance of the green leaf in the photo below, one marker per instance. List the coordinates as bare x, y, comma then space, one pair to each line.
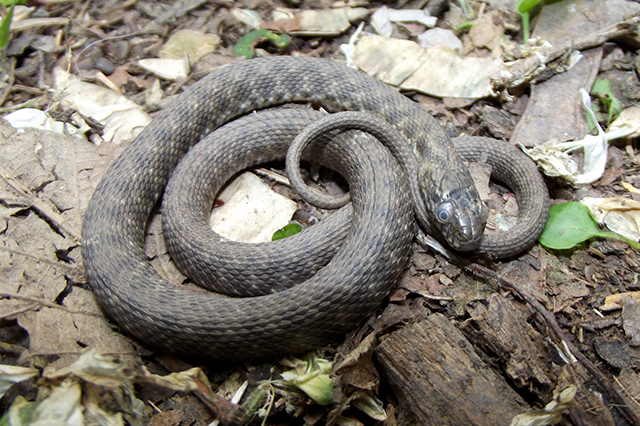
244, 46
525, 27
570, 224
602, 89
5, 27
525, 6
8, 3
464, 26
19, 413
311, 375
287, 231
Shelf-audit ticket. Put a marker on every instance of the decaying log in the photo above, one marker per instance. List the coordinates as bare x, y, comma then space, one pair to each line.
439, 379
504, 333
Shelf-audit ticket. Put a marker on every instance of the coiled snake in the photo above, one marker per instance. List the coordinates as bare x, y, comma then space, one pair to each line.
375, 249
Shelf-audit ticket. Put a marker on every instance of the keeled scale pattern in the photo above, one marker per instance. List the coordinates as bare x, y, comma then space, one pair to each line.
308, 315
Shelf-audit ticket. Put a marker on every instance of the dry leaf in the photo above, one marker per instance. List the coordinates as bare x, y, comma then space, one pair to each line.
47, 182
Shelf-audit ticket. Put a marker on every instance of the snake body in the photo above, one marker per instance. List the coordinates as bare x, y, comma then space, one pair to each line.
343, 292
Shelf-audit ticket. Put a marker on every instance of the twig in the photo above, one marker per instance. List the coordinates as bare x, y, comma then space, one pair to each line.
526, 69
276, 177
631, 396
102, 40
26, 24
10, 70
19, 311
25, 104
48, 304
8, 348
227, 412
56, 264
38, 204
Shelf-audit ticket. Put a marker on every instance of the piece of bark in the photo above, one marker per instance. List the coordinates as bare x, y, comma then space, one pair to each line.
588, 408
628, 384
555, 108
502, 331
438, 378
542, 120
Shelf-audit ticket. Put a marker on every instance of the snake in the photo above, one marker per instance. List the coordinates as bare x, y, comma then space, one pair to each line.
343, 291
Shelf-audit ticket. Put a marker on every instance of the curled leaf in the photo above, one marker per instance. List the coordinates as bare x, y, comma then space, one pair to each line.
245, 45
312, 377
4, 28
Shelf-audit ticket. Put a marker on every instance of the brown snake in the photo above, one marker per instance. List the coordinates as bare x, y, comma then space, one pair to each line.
353, 283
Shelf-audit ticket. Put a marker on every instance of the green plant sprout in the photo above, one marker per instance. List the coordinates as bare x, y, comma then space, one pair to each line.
524, 8
245, 45
602, 90
465, 25
467, 10
5, 26
572, 223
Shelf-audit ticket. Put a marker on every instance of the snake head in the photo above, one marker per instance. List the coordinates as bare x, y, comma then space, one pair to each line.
458, 211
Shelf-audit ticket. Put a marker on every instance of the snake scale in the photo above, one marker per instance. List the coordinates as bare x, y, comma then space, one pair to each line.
376, 245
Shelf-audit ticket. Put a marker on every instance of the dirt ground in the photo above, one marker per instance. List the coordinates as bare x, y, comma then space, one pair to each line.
477, 341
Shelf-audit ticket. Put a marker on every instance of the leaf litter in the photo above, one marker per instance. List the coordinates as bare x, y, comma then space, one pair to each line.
41, 255
47, 183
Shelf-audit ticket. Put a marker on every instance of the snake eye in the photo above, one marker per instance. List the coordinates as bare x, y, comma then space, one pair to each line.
444, 213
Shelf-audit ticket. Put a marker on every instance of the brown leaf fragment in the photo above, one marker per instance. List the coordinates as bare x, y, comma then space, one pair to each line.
47, 181
616, 353
397, 314
28, 263
614, 301
631, 319
67, 331
357, 369
283, 26
18, 155
486, 33
569, 294
58, 171
166, 418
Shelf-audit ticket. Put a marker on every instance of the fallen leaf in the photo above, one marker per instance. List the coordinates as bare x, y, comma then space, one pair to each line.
383, 17
10, 374
48, 179
614, 301
552, 412
122, 118
552, 156
620, 215
190, 43
168, 69
486, 33
626, 125
315, 22
252, 212
432, 71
